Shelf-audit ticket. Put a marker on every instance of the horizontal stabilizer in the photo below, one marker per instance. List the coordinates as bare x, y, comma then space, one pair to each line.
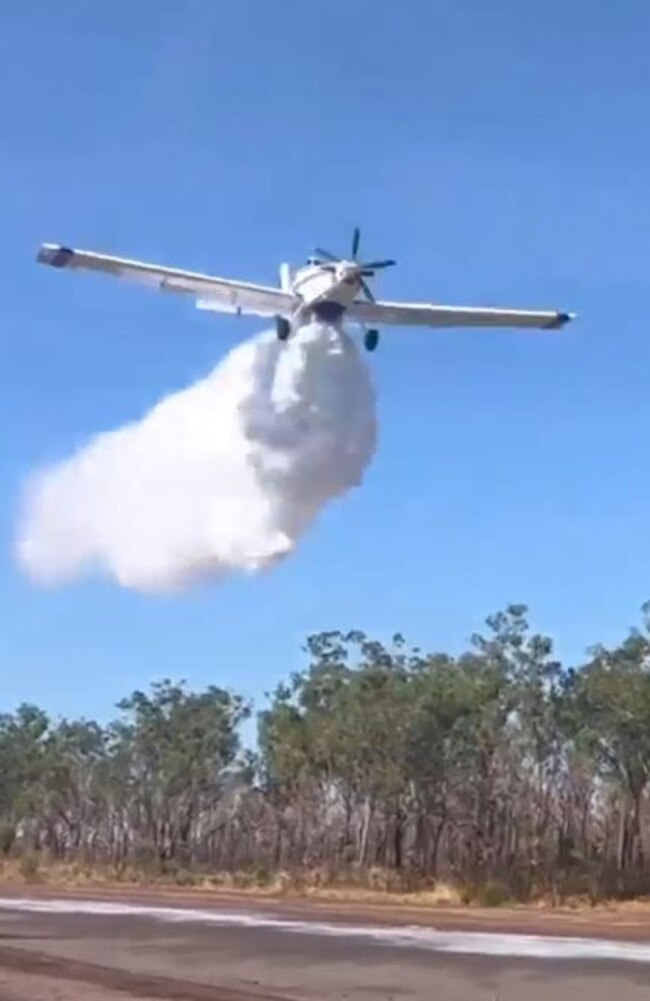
214, 306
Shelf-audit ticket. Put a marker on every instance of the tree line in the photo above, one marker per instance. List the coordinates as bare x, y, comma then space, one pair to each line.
500, 772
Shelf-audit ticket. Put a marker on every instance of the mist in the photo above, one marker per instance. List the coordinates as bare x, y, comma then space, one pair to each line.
223, 476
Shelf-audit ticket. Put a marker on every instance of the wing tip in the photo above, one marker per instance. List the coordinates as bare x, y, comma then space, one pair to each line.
560, 320
54, 254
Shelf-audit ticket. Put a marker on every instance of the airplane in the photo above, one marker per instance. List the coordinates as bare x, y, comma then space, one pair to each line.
327, 288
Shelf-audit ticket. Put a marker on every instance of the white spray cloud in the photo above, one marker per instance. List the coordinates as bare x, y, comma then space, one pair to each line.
223, 476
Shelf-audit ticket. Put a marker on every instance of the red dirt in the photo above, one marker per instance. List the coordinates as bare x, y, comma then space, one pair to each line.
21, 972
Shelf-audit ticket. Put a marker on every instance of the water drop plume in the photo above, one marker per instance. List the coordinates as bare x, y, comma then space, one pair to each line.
223, 476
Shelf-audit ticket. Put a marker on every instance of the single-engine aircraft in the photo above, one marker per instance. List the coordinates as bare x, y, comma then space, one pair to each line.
327, 288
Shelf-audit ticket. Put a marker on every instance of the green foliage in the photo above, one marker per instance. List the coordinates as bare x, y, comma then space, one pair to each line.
498, 771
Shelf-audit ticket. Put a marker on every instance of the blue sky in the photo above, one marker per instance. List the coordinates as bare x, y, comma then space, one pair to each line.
499, 151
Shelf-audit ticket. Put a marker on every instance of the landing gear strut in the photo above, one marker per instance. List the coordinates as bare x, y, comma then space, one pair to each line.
371, 339
283, 328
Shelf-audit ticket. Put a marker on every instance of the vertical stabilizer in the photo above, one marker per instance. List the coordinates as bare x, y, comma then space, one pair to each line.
285, 277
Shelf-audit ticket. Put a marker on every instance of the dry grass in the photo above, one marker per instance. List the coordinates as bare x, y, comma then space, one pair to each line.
373, 888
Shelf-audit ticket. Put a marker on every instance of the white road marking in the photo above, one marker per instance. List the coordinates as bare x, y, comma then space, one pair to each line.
414, 936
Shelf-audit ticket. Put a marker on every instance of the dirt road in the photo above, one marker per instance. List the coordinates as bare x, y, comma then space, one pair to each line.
57, 949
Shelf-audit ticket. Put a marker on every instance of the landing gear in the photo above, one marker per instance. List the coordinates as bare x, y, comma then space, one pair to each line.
282, 328
371, 339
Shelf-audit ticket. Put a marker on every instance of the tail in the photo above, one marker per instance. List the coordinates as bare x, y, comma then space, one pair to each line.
285, 277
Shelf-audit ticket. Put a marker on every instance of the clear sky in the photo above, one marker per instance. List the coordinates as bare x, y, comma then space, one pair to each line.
500, 152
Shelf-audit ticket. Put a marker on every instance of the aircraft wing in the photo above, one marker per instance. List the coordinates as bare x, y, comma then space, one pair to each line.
429, 315
220, 294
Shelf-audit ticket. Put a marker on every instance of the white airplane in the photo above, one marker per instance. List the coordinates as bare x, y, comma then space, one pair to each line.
327, 289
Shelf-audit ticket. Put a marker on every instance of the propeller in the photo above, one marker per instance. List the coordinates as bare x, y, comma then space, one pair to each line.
326, 254
375, 265
366, 268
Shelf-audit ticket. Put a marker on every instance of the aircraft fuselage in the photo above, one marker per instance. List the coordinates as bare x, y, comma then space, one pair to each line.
326, 294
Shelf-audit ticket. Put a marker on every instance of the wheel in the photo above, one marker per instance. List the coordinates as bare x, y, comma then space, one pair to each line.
371, 339
283, 328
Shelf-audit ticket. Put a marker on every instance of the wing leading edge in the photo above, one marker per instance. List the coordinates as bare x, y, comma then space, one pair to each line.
211, 292
429, 315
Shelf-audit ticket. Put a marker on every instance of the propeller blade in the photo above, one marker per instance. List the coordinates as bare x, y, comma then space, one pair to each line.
367, 291
366, 273
325, 253
378, 264
356, 236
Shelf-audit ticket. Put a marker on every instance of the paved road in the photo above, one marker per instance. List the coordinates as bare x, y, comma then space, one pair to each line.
64, 949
